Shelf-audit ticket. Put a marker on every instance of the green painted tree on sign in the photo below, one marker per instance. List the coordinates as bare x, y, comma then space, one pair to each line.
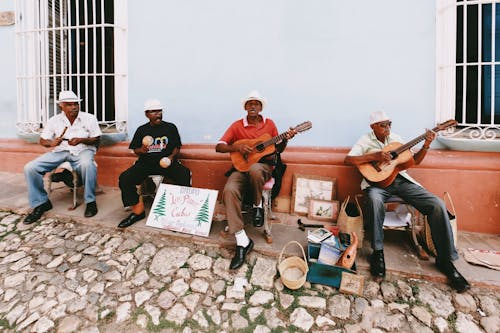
202, 215
160, 208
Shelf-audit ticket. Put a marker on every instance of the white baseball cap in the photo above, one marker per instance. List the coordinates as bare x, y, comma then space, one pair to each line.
68, 96
152, 104
254, 95
378, 116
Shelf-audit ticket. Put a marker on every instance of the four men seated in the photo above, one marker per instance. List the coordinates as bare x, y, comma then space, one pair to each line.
75, 135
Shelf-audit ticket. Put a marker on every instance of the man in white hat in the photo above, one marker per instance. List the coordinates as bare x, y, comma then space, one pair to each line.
369, 149
157, 144
74, 137
253, 126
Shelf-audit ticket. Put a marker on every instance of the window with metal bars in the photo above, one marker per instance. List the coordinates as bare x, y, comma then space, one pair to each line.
71, 45
468, 73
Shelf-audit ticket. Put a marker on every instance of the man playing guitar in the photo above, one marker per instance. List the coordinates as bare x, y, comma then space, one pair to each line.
369, 150
253, 126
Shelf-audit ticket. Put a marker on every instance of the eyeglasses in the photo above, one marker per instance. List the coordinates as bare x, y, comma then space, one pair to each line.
385, 125
154, 111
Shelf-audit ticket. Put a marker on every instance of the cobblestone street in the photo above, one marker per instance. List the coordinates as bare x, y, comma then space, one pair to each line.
61, 276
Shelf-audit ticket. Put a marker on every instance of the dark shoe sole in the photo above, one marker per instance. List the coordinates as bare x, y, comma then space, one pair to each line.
131, 219
260, 221
258, 224
250, 247
90, 214
90, 211
37, 212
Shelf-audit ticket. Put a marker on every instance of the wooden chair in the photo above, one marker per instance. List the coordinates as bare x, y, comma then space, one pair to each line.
411, 225
267, 207
76, 182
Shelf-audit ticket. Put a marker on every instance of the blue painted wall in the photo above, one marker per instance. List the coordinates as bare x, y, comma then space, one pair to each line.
331, 62
7, 75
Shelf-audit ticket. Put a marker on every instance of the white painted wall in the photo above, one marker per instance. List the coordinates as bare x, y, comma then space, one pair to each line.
328, 61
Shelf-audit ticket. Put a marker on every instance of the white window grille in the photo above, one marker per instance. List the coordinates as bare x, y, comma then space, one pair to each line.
468, 68
78, 45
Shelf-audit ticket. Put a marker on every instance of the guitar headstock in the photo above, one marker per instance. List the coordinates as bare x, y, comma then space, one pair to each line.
303, 126
446, 124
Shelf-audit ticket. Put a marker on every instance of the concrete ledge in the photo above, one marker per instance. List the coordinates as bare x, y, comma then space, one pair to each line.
472, 178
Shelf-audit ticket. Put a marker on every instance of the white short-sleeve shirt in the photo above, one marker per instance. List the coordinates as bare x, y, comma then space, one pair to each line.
84, 126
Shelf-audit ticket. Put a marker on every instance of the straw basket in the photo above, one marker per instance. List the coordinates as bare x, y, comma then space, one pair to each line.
293, 270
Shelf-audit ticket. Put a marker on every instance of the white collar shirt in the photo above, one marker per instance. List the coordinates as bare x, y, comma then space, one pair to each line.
369, 143
84, 126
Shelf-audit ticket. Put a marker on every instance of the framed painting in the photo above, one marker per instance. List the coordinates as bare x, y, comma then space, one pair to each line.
307, 187
352, 284
323, 210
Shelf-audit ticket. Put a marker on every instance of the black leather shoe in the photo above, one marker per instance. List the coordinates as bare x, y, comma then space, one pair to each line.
377, 263
258, 216
91, 209
131, 219
38, 212
457, 281
239, 256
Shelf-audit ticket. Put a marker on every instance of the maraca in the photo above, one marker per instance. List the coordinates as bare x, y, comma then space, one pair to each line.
165, 162
147, 140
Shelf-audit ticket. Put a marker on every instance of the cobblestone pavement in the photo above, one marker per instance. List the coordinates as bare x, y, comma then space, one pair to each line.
59, 276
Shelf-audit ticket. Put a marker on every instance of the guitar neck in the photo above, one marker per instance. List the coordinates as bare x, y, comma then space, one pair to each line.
273, 140
413, 142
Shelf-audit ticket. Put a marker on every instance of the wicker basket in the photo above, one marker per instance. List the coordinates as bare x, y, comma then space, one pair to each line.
293, 270
453, 222
349, 220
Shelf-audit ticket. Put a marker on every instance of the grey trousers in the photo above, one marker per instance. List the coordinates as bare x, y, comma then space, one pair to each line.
424, 201
238, 184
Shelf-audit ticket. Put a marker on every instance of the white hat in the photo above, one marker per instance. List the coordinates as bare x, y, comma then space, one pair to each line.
68, 96
254, 95
378, 116
152, 104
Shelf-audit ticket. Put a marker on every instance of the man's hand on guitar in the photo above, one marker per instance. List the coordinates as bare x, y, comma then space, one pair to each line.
383, 156
244, 149
291, 133
429, 137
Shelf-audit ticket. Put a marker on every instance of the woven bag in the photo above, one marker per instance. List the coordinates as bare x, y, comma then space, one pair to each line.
351, 219
293, 270
453, 222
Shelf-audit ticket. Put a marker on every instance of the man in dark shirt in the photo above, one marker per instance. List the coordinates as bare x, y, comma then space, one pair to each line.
157, 143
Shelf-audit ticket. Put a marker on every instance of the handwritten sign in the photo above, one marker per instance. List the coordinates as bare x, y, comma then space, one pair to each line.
183, 209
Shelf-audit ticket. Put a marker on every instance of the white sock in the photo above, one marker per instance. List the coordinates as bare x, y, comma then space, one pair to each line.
242, 238
259, 205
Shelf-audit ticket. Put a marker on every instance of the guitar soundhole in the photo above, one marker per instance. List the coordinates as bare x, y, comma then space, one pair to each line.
259, 147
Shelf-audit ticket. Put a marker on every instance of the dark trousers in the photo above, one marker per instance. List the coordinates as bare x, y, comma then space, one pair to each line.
136, 174
424, 201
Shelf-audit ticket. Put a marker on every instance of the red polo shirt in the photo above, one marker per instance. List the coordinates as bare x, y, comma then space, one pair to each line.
241, 129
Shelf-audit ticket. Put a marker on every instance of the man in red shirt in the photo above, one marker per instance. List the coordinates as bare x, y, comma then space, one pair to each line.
253, 126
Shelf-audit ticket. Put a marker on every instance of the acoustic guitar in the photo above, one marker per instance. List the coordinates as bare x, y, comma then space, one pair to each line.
382, 174
262, 146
